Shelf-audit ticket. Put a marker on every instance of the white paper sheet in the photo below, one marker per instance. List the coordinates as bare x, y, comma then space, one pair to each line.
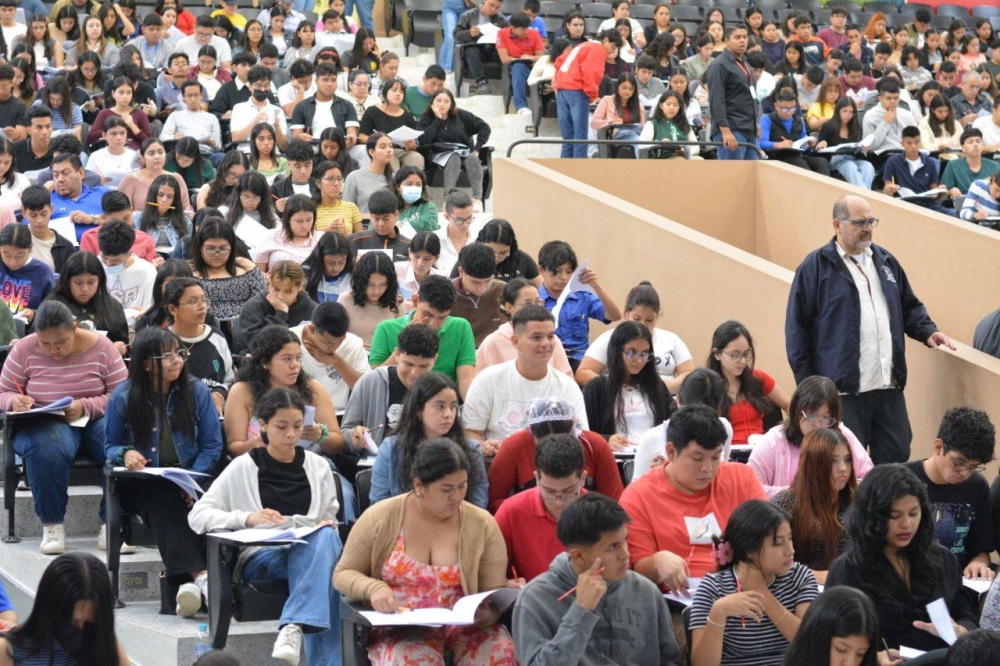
909, 653
403, 134
463, 613
55, 408
907, 193
65, 228
267, 535
574, 285
980, 585
685, 598
182, 478
803, 143
251, 232
370, 443
308, 420
488, 33
941, 618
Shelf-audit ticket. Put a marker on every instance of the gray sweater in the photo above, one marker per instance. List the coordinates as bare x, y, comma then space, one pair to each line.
359, 185
368, 406
630, 625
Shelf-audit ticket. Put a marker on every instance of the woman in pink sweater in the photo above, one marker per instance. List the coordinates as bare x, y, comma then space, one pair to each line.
814, 405
59, 360
621, 109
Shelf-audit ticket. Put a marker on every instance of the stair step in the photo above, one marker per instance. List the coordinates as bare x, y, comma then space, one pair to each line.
81, 520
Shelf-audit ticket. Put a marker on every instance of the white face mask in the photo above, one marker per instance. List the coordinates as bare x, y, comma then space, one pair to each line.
411, 193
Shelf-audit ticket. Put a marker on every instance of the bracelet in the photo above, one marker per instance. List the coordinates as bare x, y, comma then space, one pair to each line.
781, 618
711, 621
324, 433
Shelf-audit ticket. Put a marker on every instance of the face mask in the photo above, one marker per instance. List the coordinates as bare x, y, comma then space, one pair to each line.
261, 95
111, 271
411, 193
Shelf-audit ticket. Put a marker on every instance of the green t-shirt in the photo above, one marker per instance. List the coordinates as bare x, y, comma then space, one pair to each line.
957, 173
421, 216
416, 101
189, 175
458, 345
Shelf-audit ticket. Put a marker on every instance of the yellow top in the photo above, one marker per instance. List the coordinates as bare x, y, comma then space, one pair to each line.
346, 210
237, 19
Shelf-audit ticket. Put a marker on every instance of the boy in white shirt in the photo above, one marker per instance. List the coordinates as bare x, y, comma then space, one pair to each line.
257, 109
130, 278
300, 87
192, 121
9, 25
117, 159
330, 354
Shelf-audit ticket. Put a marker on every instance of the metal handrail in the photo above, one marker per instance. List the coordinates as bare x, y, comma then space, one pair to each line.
622, 142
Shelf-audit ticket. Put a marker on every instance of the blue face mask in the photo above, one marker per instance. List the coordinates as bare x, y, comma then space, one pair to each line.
111, 271
411, 193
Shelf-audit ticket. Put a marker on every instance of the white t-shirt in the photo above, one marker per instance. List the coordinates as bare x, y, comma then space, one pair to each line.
287, 94
991, 132
112, 167
244, 113
654, 443
323, 117
10, 193
42, 250
669, 349
12, 33
133, 287
499, 396
190, 46
352, 350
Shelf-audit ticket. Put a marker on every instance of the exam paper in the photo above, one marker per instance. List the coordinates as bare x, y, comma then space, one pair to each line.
684, 598
65, 228
251, 232
574, 285
938, 610
462, 613
488, 33
268, 535
402, 134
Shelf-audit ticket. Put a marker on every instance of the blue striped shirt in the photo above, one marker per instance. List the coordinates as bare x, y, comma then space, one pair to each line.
979, 199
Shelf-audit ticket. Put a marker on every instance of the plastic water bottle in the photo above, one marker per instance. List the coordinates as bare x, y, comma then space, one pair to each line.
203, 643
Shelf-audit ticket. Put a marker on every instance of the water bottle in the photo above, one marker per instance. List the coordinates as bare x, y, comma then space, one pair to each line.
202, 643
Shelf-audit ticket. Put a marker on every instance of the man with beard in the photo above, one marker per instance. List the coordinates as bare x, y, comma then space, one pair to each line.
848, 309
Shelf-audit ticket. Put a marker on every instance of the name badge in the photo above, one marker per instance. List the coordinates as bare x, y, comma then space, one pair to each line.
753, 92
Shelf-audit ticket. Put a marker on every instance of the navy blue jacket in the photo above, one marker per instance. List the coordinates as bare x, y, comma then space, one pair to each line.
823, 318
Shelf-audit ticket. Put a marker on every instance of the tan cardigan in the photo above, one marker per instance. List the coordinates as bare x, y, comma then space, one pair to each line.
482, 552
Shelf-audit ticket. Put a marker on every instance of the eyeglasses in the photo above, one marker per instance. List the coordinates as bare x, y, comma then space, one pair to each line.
963, 466
532, 301
459, 221
820, 421
196, 302
217, 251
179, 355
863, 222
785, 109
562, 497
249, 198
736, 357
640, 356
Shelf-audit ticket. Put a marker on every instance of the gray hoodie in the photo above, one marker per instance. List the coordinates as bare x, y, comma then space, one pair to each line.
369, 406
630, 625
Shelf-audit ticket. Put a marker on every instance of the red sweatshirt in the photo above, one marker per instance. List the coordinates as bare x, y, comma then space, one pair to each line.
582, 68
514, 466
142, 247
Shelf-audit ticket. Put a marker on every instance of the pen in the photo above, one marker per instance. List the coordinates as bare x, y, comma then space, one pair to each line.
276, 198
573, 589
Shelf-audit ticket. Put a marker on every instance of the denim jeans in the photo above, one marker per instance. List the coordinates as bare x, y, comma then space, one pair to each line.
49, 447
312, 603
475, 59
519, 72
740, 153
855, 171
573, 109
364, 11
452, 11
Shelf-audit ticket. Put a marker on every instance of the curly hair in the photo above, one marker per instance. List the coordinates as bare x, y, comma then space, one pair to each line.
969, 432
265, 346
366, 266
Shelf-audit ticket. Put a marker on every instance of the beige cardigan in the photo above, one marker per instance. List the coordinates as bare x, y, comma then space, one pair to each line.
482, 552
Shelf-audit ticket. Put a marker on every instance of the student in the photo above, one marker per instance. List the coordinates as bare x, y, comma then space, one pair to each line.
59, 358
819, 498
330, 353
333, 213
497, 347
938, 129
444, 123
359, 92
187, 161
886, 120
479, 295
664, 546
362, 183
71, 197
459, 214
424, 250
333, 148
308, 122
893, 559
496, 404
630, 398
558, 263
193, 121
115, 205
750, 392
47, 246
650, 87
519, 46
389, 116
82, 287
780, 129
512, 262
163, 218
913, 170
229, 280
960, 173
957, 493
254, 491
457, 356
528, 519
418, 98
378, 568
130, 278
418, 212
758, 579
24, 280
816, 50
35, 152
373, 297
284, 303
227, 175
983, 199
815, 404
295, 239
330, 266
299, 181
136, 121
249, 208
161, 418
579, 73
839, 629
208, 355
72, 619
844, 127
669, 122
383, 210
977, 647
152, 160
264, 156
513, 470
551, 628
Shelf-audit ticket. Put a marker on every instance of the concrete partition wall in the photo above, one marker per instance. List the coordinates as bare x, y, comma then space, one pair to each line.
703, 281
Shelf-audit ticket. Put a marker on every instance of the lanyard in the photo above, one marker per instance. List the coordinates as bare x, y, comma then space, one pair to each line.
744, 69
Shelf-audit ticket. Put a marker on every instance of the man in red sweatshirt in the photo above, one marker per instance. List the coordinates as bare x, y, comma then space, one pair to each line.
578, 76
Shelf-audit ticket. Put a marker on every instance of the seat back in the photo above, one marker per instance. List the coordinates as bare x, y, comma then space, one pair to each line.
363, 480
628, 470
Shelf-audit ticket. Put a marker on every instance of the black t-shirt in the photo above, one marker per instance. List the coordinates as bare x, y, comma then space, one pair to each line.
13, 113
518, 265
962, 513
397, 392
283, 487
27, 160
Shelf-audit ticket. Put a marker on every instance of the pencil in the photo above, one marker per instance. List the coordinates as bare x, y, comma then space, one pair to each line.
514, 570
739, 588
275, 197
153, 203
19, 389
573, 589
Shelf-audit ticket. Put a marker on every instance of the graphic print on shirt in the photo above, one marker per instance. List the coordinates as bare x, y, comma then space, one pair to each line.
952, 522
127, 296
701, 530
616, 636
513, 417
15, 293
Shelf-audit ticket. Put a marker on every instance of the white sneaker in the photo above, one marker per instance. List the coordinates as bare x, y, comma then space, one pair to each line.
202, 583
289, 644
524, 111
53, 540
477, 206
188, 600
102, 542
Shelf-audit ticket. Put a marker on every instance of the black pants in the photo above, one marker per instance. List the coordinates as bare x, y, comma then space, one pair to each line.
879, 420
475, 56
159, 504
807, 162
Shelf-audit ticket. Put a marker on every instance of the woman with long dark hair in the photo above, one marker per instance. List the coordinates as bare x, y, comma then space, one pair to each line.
794, 60
12, 182
66, 116
330, 266
187, 161
92, 38
232, 166
629, 398
750, 393
72, 620
939, 129
417, 210
621, 108
845, 127
448, 127
136, 120
364, 55
162, 417
47, 51
264, 157
839, 629
252, 39
374, 295
333, 148
815, 404
361, 183
512, 262
87, 81
83, 288
229, 280
65, 27
157, 314
893, 558
758, 580
670, 123
153, 159
250, 209
430, 411
818, 499
295, 239
163, 217
332, 212
388, 116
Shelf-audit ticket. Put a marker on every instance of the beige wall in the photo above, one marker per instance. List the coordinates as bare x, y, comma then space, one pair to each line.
702, 280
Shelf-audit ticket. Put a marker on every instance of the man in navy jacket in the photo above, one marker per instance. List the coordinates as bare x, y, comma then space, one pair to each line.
849, 307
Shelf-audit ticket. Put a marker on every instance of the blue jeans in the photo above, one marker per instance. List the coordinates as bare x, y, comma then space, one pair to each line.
49, 448
855, 171
741, 153
573, 109
629, 135
364, 11
312, 603
452, 11
519, 72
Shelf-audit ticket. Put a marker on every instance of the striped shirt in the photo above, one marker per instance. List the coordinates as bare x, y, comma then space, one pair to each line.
325, 215
979, 199
87, 376
757, 643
